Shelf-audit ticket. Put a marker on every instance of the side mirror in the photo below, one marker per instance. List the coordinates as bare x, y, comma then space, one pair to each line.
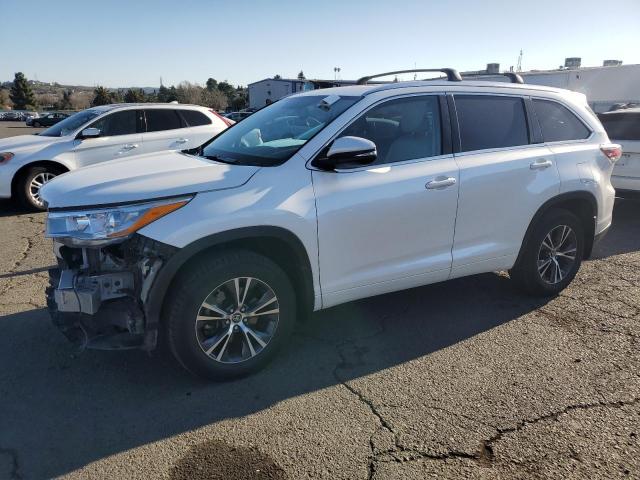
90, 133
348, 150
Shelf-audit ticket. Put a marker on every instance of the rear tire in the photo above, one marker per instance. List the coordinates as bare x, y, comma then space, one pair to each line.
36, 124
551, 254
28, 189
212, 333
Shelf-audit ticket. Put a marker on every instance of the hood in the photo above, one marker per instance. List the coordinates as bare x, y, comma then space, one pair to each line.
24, 141
142, 178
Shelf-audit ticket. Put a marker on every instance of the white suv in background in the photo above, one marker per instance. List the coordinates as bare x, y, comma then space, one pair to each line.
322, 198
623, 127
97, 135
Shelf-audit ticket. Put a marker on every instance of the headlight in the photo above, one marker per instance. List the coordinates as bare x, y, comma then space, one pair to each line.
108, 225
5, 157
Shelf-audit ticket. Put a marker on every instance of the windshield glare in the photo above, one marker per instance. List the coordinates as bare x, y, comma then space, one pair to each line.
272, 135
70, 124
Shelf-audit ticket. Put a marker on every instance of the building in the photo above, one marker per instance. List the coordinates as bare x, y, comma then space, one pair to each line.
269, 90
605, 86
612, 83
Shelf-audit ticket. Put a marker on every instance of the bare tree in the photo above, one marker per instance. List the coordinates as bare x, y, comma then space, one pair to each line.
81, 100
189, 93
214, 99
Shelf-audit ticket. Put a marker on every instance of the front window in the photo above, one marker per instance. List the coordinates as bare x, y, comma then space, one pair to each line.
71, 124
272, 135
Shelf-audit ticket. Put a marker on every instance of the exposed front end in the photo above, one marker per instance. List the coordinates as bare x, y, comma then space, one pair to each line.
98, 293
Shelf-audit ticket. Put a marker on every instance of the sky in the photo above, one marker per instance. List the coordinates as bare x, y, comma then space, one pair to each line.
122, 43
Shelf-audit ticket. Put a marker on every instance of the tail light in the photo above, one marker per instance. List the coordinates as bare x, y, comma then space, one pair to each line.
227, 121
5, 157
613, 151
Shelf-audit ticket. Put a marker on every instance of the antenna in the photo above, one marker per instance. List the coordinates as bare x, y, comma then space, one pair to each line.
519, 67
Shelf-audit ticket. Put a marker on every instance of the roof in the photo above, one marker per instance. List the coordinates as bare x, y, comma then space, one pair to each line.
113, 106
359, 90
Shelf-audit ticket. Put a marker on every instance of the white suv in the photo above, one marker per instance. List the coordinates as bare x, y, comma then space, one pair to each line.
322, 198
623, 126
97, 135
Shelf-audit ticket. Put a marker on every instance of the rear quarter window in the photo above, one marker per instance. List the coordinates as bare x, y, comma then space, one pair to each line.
558, 123
622, 126
488, 122
194, 118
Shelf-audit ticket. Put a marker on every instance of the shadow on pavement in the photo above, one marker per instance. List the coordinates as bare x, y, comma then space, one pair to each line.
60, 411
624, 234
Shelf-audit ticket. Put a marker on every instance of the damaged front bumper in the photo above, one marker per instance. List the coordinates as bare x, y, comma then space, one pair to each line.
97, 296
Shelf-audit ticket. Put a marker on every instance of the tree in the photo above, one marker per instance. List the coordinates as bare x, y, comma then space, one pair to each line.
101, 97
134, 96
21, 93
301, 76
189, 93
65, 101
212, 84
226, 88
214, 99
277, 77
5, 101
173, 94
239, 101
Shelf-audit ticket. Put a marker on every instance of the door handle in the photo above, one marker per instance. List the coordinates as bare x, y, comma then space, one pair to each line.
182, 140
440, 182
540, 164
127, 147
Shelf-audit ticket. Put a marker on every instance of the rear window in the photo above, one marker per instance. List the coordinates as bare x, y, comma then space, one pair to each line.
195, 118
491, 122
159, 120
622, 126
558, 123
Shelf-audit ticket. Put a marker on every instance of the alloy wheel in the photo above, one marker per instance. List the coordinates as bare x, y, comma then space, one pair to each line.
557, 254
36, 184
237, 320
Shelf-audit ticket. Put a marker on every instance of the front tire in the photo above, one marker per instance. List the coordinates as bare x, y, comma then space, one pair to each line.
551, 255
36, 124
31, 183
229, 314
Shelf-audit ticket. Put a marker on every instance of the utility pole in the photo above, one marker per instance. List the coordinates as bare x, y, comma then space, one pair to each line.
519, 67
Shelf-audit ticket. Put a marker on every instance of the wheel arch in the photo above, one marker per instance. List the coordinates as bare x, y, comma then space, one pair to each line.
276, 243
583, 204
22, 171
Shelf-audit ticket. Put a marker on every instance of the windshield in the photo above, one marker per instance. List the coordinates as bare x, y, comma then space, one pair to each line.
70, 124
272, 135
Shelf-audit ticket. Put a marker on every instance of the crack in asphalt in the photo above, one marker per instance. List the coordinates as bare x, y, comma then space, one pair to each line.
487, 446
15, 465
351, 354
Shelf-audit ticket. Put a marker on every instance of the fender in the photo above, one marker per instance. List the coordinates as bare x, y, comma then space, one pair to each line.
155, 301
559, 200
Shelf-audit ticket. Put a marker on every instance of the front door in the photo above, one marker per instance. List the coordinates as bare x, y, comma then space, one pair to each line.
119, 138
390, 225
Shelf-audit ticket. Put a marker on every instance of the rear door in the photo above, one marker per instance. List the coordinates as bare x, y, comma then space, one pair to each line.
200, 127
624, 128
506, 174
120, 137
165, 130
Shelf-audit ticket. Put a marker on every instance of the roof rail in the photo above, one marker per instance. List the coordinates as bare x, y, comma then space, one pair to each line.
452, 74
512, 76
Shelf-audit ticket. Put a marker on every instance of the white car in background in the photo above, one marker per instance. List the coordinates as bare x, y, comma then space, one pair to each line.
623, 127
97, 135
